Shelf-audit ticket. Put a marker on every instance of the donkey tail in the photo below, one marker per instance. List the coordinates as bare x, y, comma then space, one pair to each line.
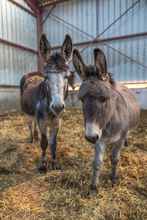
22, 83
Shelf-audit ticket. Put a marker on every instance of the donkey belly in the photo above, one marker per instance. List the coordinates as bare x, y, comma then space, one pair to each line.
113, 132
125, 116
29, 101
132, 107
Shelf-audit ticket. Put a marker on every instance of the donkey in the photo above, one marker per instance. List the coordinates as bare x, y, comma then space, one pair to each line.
44, 98
110, 111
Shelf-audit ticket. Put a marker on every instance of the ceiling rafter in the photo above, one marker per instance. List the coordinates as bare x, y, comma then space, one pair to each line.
45, 3
33, 4
36, 5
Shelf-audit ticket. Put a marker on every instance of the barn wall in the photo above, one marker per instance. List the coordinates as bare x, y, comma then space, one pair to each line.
80, 14
126, 58
84, 20
19, 27
9, 100
134, 21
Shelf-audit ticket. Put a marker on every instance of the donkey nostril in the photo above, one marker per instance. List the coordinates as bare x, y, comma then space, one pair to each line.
97, 137
51, 106
92, 139
57, 108
63, 106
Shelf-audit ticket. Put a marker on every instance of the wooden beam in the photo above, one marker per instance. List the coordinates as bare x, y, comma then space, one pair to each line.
3, 86
39, 32
51, 2
103, 40
18, 46
22, 7
33, 5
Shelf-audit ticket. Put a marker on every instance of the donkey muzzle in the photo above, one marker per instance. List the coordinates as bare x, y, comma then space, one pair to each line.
57, 108
91, 139
92, 132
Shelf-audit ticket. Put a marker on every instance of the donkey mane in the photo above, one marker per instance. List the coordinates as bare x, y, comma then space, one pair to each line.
92, 72
57, 60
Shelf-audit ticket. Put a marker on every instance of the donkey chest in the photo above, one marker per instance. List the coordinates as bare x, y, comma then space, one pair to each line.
113, 132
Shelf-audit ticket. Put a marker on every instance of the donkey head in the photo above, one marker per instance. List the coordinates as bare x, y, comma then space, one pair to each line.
56, 72
95, 93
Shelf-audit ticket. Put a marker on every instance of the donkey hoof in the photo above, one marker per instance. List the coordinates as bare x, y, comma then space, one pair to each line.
36, 138
114, 180
55, 165
42, 168
93, 188
30, 141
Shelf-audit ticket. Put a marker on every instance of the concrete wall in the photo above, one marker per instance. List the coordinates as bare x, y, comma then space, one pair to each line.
141, 95
9, 99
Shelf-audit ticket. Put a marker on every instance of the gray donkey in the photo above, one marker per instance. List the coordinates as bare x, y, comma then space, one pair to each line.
110, 110
44, 98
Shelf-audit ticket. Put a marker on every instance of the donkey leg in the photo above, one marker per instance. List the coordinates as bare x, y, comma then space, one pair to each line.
53, 143
126, 140
115, 159
30, 126
35, 131
97, 163
43, 143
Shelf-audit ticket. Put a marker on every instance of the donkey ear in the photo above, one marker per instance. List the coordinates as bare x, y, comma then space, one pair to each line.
79, 64
100, 61
66, 49
45, 47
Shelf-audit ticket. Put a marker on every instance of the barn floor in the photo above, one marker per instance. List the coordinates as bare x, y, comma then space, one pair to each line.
64, 195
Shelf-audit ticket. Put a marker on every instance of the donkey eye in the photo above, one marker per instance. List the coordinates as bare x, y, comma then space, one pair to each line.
102, 98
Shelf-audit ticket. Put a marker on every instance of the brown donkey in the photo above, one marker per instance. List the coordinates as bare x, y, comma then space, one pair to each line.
45, 97
110, 110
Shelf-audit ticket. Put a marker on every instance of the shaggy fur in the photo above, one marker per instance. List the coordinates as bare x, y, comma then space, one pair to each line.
43, 95
110, 110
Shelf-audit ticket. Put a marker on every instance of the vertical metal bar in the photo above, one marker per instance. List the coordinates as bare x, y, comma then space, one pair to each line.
97, 17
39, 32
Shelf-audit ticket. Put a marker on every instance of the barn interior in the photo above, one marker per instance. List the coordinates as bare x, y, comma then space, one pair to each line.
118, 27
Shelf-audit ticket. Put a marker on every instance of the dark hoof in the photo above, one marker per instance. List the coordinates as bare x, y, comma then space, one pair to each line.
93, 190
54, 166
30, 141
43, 167
126, 143
36, 138
114, 180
